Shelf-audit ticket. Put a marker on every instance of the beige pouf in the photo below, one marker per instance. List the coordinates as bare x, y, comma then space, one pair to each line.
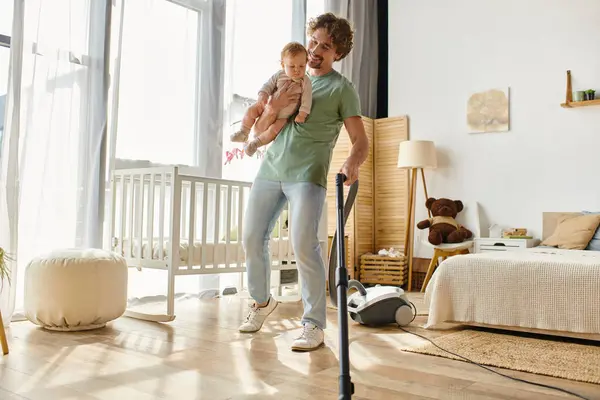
75, 289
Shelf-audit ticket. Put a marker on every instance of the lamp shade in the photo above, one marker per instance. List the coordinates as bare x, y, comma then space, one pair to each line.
417, 154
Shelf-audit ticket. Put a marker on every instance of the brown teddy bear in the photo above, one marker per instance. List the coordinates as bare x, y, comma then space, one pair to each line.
443, 227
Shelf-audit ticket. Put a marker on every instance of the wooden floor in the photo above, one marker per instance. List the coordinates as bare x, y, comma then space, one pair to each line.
201, 355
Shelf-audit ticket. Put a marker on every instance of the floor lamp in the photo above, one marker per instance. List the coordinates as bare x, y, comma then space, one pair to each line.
415, 155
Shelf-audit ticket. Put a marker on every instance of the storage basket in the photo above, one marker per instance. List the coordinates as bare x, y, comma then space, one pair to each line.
384, 270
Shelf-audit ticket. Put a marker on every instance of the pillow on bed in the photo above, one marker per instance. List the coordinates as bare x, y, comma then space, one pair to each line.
594, 244
573, 233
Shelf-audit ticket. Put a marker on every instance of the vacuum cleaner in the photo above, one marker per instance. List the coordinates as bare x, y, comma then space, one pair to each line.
375, 306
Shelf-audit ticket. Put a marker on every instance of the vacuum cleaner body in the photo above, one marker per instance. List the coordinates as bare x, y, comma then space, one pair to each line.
380, 305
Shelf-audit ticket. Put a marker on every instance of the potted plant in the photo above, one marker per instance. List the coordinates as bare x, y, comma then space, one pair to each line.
4, 269
591, 94
4, 273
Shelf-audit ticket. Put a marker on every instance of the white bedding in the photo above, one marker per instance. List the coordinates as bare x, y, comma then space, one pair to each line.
215, 254
536, 288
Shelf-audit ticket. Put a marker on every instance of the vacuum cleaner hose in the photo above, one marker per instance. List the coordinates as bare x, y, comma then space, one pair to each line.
356, 284
333, 261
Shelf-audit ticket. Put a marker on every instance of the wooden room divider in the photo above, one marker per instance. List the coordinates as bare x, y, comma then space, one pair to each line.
378, 219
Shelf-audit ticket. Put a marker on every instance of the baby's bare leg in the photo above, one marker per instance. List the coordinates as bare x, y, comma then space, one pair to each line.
270, 134
266, 119
266, 137
250, 116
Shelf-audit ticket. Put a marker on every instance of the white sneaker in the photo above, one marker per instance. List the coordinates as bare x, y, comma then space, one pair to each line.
257, 316
312, 337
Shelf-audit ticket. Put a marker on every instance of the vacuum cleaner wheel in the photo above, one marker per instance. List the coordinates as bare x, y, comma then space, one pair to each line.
405, 315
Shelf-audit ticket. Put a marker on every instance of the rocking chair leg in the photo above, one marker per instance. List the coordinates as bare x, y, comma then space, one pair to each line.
3, 336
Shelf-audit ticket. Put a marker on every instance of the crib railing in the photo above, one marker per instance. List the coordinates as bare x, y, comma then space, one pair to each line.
157, 212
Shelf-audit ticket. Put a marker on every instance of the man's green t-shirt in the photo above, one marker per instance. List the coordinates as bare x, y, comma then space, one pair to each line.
302, 152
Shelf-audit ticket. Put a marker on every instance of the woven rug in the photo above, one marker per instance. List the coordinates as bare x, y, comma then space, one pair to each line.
562, 359
418, 300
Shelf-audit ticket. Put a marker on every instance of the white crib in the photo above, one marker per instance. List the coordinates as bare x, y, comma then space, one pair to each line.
159, 211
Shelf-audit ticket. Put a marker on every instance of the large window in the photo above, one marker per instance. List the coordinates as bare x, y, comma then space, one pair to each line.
257, 31
159, 82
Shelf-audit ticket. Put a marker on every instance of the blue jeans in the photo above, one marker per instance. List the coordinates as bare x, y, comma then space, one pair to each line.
266, 201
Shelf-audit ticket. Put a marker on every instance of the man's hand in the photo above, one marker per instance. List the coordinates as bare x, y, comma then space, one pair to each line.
360, 148
350, 169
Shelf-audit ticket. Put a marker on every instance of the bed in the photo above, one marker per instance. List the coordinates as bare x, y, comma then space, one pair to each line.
158, 211
542, 289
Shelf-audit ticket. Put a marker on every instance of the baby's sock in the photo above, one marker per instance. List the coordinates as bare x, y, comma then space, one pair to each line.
251, 147
239, 136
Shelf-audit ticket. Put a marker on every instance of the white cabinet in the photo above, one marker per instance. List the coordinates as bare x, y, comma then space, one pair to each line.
486, 245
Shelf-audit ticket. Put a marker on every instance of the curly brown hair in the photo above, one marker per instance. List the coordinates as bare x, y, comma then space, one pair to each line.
338, 28
293, 48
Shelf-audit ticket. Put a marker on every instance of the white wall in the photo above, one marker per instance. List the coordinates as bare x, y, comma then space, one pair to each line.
441, 51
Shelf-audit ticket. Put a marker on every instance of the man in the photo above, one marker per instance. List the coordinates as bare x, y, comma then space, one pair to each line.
295, 168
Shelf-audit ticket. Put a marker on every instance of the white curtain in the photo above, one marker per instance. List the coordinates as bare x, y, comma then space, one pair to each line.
50, 160
361, 65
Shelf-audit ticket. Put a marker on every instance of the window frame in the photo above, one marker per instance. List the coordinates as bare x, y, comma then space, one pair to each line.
201, 7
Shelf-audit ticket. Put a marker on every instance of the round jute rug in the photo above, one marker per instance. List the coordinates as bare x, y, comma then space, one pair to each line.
562, 359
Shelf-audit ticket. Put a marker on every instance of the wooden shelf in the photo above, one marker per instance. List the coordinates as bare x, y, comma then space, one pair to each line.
569, 103
584, 103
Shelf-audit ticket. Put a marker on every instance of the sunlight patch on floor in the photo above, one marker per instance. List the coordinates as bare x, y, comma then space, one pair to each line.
249, 380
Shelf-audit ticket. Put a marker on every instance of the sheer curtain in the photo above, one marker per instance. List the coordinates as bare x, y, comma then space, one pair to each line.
6, 15
50, 162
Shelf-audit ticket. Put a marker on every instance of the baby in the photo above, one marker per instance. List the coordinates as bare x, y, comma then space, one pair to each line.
293, 61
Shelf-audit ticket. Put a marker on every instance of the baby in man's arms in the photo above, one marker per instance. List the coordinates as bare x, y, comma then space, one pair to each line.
293, 61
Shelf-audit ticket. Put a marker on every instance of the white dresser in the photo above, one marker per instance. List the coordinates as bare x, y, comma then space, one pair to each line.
486, 245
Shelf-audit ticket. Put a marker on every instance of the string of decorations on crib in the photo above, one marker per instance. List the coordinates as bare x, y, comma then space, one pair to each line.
238, 152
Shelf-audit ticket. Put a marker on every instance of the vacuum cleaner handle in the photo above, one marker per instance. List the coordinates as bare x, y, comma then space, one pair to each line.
346, 387
333, 249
